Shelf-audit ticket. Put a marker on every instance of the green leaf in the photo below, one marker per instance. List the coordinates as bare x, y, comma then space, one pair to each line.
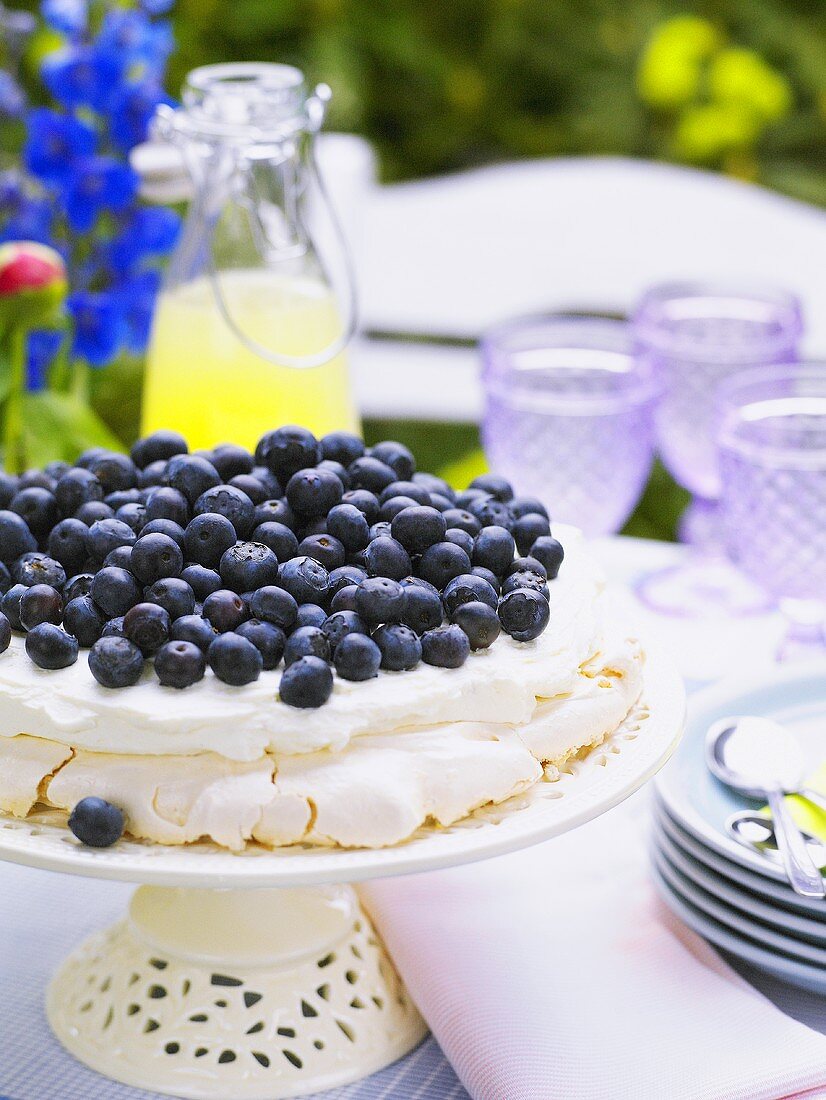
59, 426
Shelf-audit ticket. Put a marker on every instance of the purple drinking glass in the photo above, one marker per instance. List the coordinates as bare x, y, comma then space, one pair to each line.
568, 416
772, 454
694, 336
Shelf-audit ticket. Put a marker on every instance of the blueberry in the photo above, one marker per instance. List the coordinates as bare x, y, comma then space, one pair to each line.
528, 528
345, 575
133, 515
345, 598
155, 556
87, 457
114, 471
224, 500
40, 604
391, 507
494, 548
123, 497
247, 566
416, 494
349, 525
324, 549
15, 537
207, 537
78, 585
121, 557
357, 657
115, 662
147, 625
175, 531
173, 594
106, 535
313, 492
36, 479
317, 526
380, 530
467, 588
521, 506
306, 580
460, 538
270, 482
434, 484
380, 600
225, 610
152, 475
341, 623
423, 609
370, 473
115, 591
286, 450
498, 487
341, 447
307, 641
443, 504
276, 511
5, 633
418, 528
525, 579
97, 823
395, 455
250, 486
5, 579
280, 539
201, 580
486, 574
230, 460
491, 512
179, 664
84, 619
158, 447
337, 469
75, 488
165, 502
400, 646
49, 646
113, 628
366, 502
56, 468
274, 605
267, 638
9, 485
445, 647
479, 621
386, 557
550, 553
235, 660
307, 683
195, 629
10, 604
465, 499
310, 614
441, 562
38, 568
38, 508
191, 475
524, 614
92, 511
527, 565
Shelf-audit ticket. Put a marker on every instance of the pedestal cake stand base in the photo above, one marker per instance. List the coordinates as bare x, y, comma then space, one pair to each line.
256, 994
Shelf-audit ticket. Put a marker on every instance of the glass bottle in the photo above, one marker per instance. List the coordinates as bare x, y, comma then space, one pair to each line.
252, 324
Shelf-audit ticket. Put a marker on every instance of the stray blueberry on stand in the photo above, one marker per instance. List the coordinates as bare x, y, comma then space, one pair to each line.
524, 614
179, 664
235, 660
307, 683
49, 646
115, 662
97, 823
445, 647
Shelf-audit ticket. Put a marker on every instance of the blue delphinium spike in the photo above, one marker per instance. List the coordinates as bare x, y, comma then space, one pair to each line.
43, 346
54, 141
130, 112
65, 16
99, 327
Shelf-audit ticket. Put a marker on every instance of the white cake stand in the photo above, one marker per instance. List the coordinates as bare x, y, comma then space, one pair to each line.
259, 976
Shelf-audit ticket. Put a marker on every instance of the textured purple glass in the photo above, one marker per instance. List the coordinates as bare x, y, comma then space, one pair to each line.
568, 417
697, 335
772, 447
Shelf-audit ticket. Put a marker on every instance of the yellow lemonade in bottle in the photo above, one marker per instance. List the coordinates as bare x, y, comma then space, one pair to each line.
206, 383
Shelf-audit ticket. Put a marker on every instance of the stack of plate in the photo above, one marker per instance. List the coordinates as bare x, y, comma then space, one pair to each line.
734, 895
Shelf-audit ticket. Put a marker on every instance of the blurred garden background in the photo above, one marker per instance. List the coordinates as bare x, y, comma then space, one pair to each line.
735, 86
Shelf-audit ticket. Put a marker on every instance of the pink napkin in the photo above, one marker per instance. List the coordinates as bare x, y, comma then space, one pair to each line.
556, 974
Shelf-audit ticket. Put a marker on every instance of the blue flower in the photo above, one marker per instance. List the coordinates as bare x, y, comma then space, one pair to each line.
157, 7
131, 110
137, 300
131, 35
65, 16
12, 96
99, 327
42, 347
31, 219
148, 231
83, 76
96, 184
54, 141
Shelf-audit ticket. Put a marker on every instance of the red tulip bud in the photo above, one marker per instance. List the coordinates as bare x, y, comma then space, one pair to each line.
32, 284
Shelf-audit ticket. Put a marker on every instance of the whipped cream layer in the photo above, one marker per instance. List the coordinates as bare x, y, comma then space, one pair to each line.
500, 685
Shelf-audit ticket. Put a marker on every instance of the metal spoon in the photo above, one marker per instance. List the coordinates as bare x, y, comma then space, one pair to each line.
761, 759
756, 832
